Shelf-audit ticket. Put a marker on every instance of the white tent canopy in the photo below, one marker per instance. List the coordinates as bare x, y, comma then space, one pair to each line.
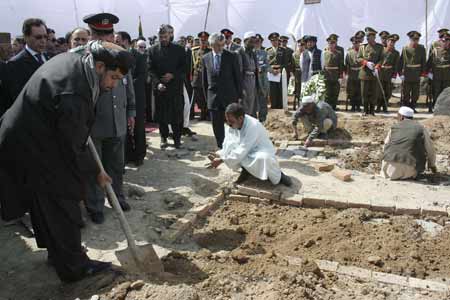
292, 17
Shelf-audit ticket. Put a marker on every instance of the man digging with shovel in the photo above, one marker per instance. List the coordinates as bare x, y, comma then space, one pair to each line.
43, 145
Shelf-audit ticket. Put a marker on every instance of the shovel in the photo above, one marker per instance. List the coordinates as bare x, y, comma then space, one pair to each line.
142, 258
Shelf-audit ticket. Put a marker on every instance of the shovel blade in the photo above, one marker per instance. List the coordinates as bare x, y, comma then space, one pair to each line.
145, 261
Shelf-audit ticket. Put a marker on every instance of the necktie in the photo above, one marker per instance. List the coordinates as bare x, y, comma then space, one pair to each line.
217, 63
39, 58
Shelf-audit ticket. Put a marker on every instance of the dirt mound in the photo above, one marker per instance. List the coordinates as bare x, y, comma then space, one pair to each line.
439, 129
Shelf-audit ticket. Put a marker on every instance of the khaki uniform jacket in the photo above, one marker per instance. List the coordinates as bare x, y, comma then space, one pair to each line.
389, 64
197, 66
333, 67
352, 66
277, 57
439, 63
372, 53
413, 63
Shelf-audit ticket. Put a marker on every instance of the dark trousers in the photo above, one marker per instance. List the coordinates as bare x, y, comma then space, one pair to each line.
111, 152
437, 87
218, 123
387, 88
200, 100
410, 93
354, 93
333, 89
60, 234
369, 93
276, 95
176, 130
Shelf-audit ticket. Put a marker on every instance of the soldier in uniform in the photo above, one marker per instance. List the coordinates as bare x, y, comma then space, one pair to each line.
277, 61
389, 70
443, 32
263, 68
360, 35
369, 56
338, 48
438, 66
229, 45
384, 37
333, 70
297, 69
197, 82
289, 58
412, 67
352, 67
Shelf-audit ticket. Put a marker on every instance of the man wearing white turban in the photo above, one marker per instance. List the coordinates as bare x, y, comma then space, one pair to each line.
408, 147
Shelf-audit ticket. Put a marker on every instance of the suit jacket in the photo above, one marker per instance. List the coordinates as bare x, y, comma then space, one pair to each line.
223, 88
4, 102
21, 67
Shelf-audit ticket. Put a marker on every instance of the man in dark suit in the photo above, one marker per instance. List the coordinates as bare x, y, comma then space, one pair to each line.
22, 66
222, 83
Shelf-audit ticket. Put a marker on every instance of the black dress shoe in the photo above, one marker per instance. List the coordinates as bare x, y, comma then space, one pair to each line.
188, 132
98, 217
243, 176
285, 180
125, 206
164, 143
95, 266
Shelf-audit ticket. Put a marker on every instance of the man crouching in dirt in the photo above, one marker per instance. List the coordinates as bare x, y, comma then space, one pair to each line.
317, 119
407, 148
247, 145
43, 151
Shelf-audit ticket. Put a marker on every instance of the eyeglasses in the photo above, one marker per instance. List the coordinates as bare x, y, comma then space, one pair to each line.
40, 36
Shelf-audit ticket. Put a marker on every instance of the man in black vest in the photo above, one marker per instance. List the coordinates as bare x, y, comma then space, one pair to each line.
43, 151
408, 147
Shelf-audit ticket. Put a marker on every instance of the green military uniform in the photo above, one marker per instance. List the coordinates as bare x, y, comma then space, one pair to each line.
289, 56
338, 48
384, 37
439, 65
332, 70
412, 67
298, 75
277, 60
196, 76
352, 67
389, 70
370, 52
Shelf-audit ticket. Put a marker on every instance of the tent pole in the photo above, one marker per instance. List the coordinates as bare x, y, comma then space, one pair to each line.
168, 11
426, 24
207, 14
75, 8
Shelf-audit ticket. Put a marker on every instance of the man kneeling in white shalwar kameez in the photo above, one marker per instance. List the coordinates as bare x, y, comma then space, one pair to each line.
247, 145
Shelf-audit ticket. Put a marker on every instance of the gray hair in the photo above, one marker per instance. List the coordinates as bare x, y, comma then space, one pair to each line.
216, 37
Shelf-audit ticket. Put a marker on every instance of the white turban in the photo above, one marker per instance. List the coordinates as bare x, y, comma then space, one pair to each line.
406, 111
308, 99
141, 43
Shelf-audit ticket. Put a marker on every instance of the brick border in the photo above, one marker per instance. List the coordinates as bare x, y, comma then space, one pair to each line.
373, 276
192, 216
312, 200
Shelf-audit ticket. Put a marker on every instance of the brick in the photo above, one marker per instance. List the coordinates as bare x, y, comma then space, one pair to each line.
275, 195
191, 217
341, 174
337, 203
386, 206
429, 210
413, 211
181, 224
313, 200
359, 203
241, 198
171, 235
390, 278
360, 273
202, 210
283, 145
295, 143
319, 143
247, 191
257, 200
428, 285
326, 265
292, 199
323, 167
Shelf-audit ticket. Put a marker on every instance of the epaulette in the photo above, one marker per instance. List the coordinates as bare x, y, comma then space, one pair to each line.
195, 48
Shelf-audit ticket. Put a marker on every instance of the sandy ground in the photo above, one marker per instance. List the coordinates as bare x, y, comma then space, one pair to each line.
175, 181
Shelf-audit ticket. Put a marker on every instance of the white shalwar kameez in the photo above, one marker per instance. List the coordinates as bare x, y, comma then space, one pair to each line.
251, 148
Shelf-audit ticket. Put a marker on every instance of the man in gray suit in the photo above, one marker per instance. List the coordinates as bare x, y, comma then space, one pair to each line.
229, 44
222, 82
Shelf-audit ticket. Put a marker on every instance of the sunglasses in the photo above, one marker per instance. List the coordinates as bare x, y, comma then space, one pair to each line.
40, 36
142, 47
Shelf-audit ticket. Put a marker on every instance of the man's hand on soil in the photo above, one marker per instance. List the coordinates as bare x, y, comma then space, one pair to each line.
308, 142
216, 163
